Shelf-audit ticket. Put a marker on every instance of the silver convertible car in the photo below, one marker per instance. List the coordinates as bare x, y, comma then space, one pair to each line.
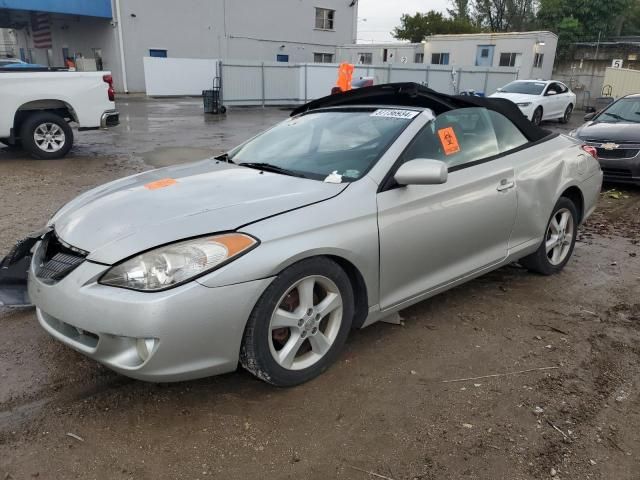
357, 206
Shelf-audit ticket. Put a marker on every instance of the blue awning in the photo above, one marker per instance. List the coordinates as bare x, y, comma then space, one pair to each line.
90, 8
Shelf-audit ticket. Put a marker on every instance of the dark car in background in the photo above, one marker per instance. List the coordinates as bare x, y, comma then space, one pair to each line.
615, 133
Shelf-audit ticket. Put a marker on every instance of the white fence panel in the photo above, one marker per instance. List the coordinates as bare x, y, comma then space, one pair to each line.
272, 83
178, 76
416, 74
242, 83
440, 79
282, 84
499, 79
317, 79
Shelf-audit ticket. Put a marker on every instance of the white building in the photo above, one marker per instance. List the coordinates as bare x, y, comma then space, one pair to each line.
120, 33
532, 53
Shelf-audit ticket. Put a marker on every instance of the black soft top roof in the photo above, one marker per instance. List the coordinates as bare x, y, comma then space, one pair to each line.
415, 95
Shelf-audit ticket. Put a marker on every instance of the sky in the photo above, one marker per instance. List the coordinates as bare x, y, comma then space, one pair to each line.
376, 18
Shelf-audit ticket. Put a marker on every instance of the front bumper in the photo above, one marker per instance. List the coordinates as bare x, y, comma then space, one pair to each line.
110, 118
621, 170
188, 332
528, 110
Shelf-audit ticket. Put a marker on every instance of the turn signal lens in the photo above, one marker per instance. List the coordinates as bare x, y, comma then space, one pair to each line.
174, 264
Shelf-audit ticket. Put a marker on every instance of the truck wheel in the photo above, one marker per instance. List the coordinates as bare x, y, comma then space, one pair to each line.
46, 136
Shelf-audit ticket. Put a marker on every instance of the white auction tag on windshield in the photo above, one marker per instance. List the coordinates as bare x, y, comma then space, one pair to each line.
394, 113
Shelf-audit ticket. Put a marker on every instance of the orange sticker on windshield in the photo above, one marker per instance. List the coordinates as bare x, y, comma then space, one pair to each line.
163, 183
449, 141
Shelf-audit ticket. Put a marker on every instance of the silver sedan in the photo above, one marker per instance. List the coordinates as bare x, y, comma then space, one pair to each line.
354, 208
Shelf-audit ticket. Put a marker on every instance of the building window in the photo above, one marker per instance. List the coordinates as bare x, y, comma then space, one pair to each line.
323, 57
282, 58
538, 58
158, 53
419, 58
365, 58
508, 59
440, 59
324, 18
484, 53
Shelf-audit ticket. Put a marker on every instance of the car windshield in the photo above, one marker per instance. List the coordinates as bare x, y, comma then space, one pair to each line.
528, 88
334, 145
625, 110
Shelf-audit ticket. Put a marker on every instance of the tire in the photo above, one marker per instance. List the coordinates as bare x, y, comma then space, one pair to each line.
536, 118
46, 136
302, 340
546, 260
567, 114
223, 109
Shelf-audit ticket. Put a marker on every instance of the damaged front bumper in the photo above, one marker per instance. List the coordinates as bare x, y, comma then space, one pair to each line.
14, 271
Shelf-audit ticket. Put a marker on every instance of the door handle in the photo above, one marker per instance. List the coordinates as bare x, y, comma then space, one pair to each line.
505, 185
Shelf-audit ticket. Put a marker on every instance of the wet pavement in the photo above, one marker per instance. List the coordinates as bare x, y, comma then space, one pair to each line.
387, 406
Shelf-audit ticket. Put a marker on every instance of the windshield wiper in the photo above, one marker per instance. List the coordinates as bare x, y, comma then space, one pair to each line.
268, 167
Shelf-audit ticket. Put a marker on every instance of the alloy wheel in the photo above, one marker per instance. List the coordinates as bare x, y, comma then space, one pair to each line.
559, 236
49, 137
305, 323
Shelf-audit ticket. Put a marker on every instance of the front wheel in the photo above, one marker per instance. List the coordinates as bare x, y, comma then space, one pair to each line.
567, 114
46, 136
299, 324
537, 117
559, 241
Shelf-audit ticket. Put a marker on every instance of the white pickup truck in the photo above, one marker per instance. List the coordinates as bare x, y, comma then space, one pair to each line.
37, 105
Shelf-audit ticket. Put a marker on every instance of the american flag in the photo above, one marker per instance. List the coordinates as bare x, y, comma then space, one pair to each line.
41, 30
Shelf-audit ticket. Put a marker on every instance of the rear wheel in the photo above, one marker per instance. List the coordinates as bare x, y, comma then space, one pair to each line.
46, 135
560, 238
300, 323
537, 116
567, 114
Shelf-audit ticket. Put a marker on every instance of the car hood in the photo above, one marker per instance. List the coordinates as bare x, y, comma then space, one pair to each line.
619, 132
515, 97
125, 217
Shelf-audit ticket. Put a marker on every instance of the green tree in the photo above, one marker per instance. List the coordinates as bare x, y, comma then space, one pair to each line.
505, 15
583, 19
460, 10
416, 28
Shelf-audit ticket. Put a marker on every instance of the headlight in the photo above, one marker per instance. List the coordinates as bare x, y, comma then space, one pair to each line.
174, 264
523, 104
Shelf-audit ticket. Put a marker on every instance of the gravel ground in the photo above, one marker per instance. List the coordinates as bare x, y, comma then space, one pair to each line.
570, 344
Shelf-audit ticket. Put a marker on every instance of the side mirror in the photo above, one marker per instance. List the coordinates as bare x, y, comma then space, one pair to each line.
551, 92
422, 172
589, 116
499, 89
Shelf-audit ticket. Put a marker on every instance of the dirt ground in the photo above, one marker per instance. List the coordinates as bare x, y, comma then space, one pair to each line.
566, 351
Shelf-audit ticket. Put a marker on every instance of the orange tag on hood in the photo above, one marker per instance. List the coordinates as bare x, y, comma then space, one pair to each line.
449, 141
163, 183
